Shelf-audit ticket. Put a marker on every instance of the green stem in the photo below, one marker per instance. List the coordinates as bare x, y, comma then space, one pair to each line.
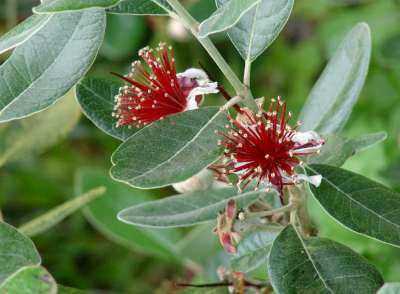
1, 217
246, 74
191, 24
56, 215
287, 208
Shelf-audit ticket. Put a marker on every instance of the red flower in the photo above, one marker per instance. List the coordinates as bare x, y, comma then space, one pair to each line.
151, 96
264, 147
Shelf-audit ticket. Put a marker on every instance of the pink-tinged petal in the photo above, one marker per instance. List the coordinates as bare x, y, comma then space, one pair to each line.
227, 242
230, 210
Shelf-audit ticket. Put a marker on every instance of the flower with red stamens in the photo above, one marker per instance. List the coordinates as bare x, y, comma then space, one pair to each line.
153, 94
265, 148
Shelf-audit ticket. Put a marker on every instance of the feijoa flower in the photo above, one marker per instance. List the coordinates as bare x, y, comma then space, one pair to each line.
153, 94
263, 147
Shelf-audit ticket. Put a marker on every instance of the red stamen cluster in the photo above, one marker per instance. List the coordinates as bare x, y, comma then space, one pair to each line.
261, 146
152, 96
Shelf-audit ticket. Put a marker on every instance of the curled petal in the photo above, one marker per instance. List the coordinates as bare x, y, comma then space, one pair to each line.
227, 242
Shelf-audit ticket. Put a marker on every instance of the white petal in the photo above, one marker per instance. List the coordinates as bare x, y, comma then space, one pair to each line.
306, 137
209, 88
313, 180
195, 73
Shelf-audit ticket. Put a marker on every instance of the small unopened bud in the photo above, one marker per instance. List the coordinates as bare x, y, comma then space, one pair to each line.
177, 31
200, 182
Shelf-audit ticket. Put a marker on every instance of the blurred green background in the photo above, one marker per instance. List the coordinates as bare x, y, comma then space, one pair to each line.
78, 255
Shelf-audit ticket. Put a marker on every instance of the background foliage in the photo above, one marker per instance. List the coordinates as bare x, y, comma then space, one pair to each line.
77, 254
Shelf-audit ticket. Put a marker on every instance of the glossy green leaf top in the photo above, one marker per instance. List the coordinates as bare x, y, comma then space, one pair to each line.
332, 98
29, 280
185, 209
22, 32
359, 203
141, 7
16, 251
44, 68
96, 97
259, 27
159, 154
102, 213
317, 265
226, 16
36, 133
54, 6
253, 250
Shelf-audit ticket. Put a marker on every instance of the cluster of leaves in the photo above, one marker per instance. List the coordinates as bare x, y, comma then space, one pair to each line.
39, 74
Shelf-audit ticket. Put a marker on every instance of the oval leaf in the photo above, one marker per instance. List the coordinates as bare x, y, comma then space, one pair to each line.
185, 209
226, 16
253, 250
16, 251
45, 67
259, 27
359, 203
140, 7
96, 98
390, 288
102, 213
36, 133
332, 98
53, 6
30, 280
365, 141
22, 32
337, 149
318, 265
170, 150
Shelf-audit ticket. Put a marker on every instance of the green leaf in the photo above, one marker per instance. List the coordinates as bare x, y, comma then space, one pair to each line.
225, 17
253, 250
39, 72
16, 251
56, 215
169, 150
53, 6
259, 27
390, 288
102, 214
96, 97
318, 265
141, 7
332, 98
337, 149
36, 133
30, 280
359, 203
22, 32
365, 141
185, 209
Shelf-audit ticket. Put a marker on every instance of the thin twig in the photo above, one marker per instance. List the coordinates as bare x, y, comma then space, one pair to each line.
182, 15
